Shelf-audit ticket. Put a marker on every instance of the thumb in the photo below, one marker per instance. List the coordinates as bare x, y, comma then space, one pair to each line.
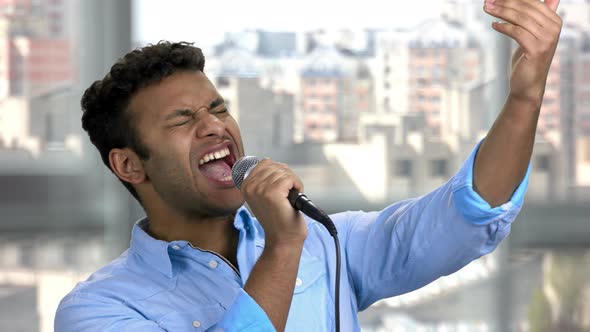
552, 4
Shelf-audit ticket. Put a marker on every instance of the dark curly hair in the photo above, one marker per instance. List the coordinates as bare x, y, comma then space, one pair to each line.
105, 103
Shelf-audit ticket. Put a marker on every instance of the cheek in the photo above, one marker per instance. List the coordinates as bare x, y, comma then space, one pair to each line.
167, 163
234, 131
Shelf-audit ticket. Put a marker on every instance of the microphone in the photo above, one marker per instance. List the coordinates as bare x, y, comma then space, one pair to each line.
242, 168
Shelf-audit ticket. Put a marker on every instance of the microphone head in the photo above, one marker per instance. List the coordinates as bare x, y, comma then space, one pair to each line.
242, 168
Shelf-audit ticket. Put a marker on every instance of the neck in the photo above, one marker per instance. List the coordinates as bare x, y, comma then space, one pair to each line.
215, 234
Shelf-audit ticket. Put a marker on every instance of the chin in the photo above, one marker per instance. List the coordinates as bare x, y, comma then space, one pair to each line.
227, 205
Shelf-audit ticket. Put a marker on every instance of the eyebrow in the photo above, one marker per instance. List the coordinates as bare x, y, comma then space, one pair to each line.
187, 112
216, 102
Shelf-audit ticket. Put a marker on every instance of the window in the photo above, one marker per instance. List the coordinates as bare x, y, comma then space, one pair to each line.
542, 163
222, 82
438, 167
403, 168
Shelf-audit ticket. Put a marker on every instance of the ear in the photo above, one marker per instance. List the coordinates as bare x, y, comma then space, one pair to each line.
127, 166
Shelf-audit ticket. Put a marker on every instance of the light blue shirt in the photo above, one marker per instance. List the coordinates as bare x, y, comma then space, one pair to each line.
173, 286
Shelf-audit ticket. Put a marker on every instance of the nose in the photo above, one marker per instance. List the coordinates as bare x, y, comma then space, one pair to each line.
209, 125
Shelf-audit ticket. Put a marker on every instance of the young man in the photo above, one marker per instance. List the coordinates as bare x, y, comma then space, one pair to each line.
200, 261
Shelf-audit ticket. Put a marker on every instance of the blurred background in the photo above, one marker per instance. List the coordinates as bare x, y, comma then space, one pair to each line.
369, 102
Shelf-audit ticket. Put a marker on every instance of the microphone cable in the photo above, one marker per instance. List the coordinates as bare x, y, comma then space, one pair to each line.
334, 234
306, 206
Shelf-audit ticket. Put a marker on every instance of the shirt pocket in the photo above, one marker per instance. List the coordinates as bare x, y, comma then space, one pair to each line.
194, 320
312, 307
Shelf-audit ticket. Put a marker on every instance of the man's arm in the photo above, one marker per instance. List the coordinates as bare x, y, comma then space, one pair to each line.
503, 157
414, 242
272, 280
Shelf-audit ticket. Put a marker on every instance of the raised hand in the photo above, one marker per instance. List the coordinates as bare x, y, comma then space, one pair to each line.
535, 26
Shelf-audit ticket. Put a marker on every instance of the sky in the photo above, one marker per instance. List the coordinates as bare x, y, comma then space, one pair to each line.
204, 22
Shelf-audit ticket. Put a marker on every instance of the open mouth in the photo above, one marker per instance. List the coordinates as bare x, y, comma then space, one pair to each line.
216, 165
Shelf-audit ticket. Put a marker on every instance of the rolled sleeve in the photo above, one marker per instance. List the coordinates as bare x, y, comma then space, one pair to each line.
244, 315
470, 203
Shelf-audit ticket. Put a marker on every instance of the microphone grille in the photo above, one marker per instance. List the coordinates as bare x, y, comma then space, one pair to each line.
242, 168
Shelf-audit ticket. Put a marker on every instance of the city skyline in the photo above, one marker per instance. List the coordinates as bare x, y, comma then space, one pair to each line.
381, 104
423, 89
208, 28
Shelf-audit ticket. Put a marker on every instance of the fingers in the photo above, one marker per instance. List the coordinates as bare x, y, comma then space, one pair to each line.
524, 38
533, 24
543, 14
552, 4
528, 15
270, 176
518, 15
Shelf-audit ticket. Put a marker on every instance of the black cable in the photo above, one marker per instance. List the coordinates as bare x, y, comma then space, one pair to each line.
337, 290
305, 205
329, 224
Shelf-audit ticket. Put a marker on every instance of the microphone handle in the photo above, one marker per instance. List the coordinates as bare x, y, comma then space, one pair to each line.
301, 203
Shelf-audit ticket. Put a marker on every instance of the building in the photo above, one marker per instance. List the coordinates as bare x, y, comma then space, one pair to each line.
15, 132
335, 90
37, 52
415, 67
265, 117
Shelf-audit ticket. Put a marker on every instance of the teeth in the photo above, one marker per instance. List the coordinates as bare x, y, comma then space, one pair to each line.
227, 178
214, 155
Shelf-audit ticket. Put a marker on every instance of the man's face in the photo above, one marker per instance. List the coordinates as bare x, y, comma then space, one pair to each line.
192, 141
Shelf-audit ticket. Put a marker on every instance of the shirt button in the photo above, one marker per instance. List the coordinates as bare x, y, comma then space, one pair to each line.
175, 247
298, 282
212, 264
196, 323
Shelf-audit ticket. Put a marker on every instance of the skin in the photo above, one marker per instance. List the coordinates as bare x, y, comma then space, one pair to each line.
182, 204
503, 157
175, 122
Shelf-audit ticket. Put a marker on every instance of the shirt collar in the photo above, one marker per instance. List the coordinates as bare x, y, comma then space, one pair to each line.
244, 221
157, 252
151, 250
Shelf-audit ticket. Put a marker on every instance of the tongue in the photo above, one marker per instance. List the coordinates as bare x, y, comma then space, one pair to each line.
217, 169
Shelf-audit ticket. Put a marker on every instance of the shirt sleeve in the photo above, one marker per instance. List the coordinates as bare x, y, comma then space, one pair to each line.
414, 242
79, 312
85, 313
244, 315
472, 206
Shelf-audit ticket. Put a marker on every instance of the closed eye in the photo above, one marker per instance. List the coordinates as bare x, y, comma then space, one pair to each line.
183, 123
